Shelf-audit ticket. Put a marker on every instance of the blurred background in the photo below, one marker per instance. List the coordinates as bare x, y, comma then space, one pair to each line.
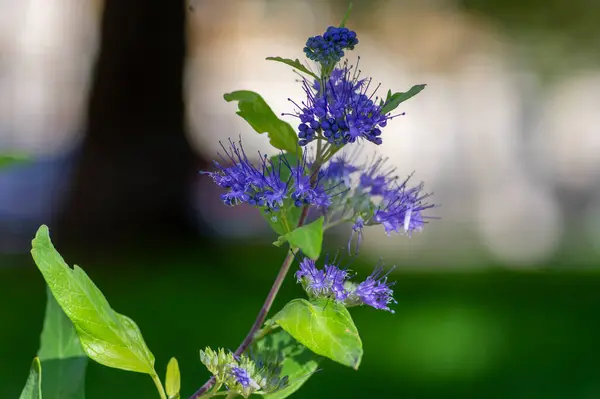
119, 104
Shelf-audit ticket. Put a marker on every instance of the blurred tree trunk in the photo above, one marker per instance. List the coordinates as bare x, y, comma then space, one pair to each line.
135, 166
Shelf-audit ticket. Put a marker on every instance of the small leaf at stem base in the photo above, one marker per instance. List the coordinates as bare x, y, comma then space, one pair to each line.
173, 379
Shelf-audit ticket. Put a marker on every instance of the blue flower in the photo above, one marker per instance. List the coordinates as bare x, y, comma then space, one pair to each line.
334, 283
243, 378
376, 178
337, 278
372, 196
403, 209
329, 48
340, 110
340, 169
307, 188
264, 186
314, 278
375, 291
274, 189
326, 283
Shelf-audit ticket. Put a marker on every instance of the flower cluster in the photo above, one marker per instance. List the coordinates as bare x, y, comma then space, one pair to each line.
371, 195
333, 282
323, 283
244, 375
340, 110
329, 48
270, 185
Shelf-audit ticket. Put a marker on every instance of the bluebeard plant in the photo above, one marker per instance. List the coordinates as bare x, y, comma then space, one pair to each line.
328, 182
311, 182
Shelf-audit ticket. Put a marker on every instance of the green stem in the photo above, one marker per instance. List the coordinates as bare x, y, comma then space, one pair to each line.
329, 152
318, 146
347, 15
159, 386
285, 221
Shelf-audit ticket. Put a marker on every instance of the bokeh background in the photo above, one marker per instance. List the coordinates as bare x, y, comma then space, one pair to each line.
119, 104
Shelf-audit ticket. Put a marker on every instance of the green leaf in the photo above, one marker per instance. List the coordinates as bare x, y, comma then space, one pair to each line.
323, 326
294, 63
309, 238
347, 15
59, 339
11, 159
173, 379
299, 363
33, 386
393, 100
282, 224
253, 108
111, 339
62, 356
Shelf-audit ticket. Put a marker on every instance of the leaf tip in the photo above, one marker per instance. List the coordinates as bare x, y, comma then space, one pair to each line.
43, 230
42, 237
280, 241
347, 15
357, 361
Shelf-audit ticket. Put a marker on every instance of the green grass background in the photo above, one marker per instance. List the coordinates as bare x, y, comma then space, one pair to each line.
489, 334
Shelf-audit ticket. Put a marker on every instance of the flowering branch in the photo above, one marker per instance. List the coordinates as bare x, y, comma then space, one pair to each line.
340, 109
264, 310
262, 314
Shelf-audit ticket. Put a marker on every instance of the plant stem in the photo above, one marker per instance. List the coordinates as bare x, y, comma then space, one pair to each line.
159, 386
319, 148
283, 270
262, 314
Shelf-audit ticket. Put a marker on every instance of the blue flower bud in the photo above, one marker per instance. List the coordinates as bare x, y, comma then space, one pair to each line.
329, 48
